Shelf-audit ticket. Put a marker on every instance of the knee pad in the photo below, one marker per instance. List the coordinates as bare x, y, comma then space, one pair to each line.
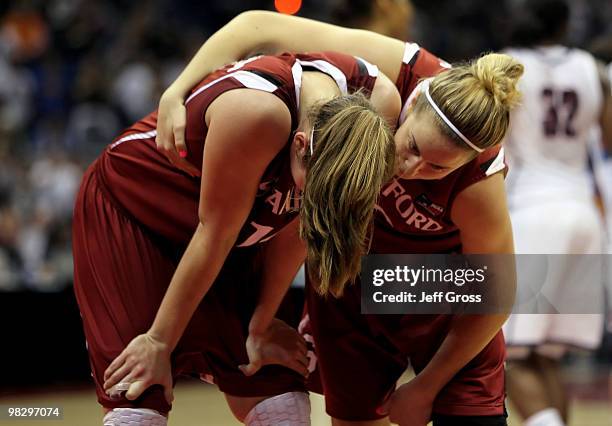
288, 409
547, 417
134, 417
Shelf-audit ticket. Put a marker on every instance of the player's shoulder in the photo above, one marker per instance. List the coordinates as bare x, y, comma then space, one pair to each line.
257, 106
417, 63
251, 107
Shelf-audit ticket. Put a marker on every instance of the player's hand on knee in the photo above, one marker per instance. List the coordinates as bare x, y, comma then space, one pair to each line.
170, 137
279, 344
137, 387
409, 405
143, 363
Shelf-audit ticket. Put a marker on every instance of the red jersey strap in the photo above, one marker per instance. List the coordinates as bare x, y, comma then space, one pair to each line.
350, 72
417, 63
488, 163
273, 74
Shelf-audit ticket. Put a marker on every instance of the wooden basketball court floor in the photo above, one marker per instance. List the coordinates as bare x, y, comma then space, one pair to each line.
200, 404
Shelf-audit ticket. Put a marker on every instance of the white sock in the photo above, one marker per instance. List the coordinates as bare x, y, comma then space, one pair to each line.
134, 417
288, 409
546, 417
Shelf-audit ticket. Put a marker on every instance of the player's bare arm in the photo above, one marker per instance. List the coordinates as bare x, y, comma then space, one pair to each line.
266, 32
481, 214
226, 197
283, 256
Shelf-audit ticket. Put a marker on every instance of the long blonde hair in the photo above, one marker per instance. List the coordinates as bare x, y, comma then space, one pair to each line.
353, 157
477, 98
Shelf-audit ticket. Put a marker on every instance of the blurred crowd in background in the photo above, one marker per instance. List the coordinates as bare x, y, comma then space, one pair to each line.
73, 73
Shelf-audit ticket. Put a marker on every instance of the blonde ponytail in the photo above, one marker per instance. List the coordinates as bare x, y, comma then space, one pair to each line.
353, 157
499, 75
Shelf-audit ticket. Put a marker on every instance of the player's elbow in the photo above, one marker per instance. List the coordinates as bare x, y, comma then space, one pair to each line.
223, 234
257, 24
201, 215
252, 18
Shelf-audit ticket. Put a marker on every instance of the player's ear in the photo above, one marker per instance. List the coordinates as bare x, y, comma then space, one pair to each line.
412, 100
300, 144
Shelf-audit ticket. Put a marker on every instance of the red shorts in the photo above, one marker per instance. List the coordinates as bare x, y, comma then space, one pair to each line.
121, 272
361, 357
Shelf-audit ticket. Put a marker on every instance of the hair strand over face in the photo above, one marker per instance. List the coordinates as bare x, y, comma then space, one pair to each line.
353, 157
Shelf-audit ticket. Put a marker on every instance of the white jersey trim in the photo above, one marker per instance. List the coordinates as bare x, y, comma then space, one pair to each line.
497, 164
296, 71
134, 136
248, 79
410, 50
372, 69
331, 70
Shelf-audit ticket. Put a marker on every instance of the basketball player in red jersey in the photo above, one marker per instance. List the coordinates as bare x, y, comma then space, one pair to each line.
192, 268
448, 196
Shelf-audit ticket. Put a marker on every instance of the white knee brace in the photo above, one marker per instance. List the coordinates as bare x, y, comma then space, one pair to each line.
134, 417
288, 409
546, 417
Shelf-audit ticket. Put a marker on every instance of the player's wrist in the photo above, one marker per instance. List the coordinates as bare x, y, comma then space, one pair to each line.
260, 321
160, 341
174, 93
258, 329
429, 384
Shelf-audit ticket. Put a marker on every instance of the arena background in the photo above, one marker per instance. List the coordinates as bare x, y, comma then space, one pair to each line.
73, 73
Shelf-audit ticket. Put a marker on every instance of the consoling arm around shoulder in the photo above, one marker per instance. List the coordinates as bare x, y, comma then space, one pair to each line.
264, 32
256, 32
274, 32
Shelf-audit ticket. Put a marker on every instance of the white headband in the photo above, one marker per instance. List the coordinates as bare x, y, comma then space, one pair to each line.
311, 140
438, 111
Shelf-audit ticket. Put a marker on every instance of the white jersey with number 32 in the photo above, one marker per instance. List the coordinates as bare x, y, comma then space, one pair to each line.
549, 132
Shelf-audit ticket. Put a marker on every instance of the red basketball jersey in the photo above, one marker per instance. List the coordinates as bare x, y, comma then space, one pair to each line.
412, 215
149, 188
